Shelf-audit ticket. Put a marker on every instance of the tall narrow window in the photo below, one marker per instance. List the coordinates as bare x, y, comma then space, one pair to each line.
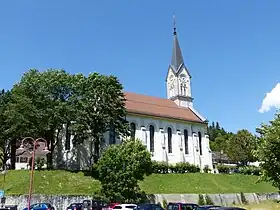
67, 137
152, 142
132, 130
112, 136
200, 143
169, 136
186, 141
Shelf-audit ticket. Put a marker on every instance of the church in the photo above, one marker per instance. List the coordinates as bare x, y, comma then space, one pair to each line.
171, 128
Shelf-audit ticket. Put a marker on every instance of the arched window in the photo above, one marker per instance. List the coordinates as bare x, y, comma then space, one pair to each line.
200, 143
186, 141
152, 142
169, 136
112, 135
132, 130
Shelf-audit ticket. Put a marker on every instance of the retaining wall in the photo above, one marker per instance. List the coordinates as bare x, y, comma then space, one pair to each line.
62, 202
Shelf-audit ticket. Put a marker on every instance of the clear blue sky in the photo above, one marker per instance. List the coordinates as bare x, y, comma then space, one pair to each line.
232, 48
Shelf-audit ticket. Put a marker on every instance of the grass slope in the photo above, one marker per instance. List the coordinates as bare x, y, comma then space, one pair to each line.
68, 183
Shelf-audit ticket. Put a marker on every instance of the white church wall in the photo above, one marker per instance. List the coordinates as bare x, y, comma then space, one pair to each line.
178, 146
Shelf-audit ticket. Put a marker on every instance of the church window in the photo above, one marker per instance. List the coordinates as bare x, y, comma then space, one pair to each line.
186, 141
200, 142
112, 135
132, 130
152, 134
169, 136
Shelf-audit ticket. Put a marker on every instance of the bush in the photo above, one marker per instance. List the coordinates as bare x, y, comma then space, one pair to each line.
250, 170
160, 167
163, 168
243, 198
208, 200
40, 163
224, 169
201, 200
206, 169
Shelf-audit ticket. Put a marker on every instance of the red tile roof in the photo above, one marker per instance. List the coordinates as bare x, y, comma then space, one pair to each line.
158, 107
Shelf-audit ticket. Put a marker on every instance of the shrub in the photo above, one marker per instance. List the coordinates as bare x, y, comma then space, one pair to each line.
250, 170
208, 200
160, 167
223, 169
40, 163
243, 198
201, 200
206, 169
163, 168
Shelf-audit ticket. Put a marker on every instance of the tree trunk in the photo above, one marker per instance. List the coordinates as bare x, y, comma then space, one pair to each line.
13, 153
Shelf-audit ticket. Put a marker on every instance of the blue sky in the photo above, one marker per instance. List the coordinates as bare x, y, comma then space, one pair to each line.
231, 48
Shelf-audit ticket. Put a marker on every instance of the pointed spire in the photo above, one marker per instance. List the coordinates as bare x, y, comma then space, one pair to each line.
177, 58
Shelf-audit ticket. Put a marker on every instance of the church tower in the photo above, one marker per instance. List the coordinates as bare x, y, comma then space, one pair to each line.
178, 78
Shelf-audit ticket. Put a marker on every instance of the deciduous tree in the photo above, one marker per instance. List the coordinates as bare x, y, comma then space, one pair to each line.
121, 167
269, 150
241, 147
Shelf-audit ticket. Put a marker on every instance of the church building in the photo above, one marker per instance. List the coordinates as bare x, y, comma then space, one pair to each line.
171, 128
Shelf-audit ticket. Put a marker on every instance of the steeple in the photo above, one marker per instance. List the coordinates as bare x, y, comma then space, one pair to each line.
177, 58
178, 79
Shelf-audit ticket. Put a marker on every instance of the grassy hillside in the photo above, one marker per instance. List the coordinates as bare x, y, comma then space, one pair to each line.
63, 182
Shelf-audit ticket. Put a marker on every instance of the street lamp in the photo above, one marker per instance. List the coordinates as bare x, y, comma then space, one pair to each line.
23, 149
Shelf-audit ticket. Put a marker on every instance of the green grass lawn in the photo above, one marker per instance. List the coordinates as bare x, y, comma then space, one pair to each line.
63, 182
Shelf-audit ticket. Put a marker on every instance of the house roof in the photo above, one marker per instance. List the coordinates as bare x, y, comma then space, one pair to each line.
158, 107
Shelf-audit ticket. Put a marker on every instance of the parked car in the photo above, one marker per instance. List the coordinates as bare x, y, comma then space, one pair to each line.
207, 207
94, 205
41, 206
125, 206
181, 206
75, 206
148, 207
110, 206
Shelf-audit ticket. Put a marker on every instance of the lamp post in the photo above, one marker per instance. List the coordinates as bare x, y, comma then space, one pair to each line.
23, 148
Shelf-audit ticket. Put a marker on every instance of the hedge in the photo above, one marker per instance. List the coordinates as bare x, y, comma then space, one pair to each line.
164, 168
246, 170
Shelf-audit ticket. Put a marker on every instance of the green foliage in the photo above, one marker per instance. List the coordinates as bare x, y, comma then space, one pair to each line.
43, 102
40, 163
206, 169
269, 150
250, 170
241, 147
243, 198
201, 200
163, 168
224, 169
120, 168
5, 138
208, 200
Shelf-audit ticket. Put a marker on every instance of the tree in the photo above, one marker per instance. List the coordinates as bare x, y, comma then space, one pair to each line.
241, 147
39, 106
42, 103
99, 106
269, 150
5, 139
120, 168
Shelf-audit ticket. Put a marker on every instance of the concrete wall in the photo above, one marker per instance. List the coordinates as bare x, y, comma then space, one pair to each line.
62, 202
